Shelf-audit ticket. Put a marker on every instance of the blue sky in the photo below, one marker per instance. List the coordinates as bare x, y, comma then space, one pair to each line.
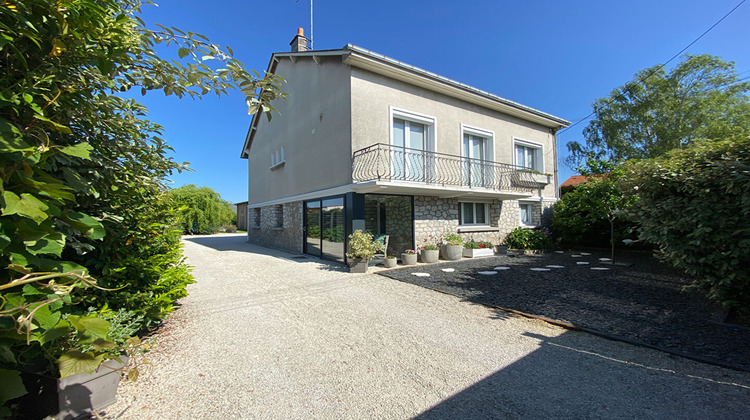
555, 56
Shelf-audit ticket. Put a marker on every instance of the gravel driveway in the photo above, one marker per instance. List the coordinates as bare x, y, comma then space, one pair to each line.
265, 335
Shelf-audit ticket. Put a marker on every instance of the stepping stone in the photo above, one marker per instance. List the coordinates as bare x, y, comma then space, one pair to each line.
585, 253
576, 256
555, 266
559, 252
600, 268
448, 270
582, 263
421, 274
487, 273
605, 259
501, 268
540, 269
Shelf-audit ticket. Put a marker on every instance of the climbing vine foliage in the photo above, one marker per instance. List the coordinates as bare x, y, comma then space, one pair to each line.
89, 251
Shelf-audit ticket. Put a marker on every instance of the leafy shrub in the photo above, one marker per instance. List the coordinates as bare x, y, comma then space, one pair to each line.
583, 216
693, 205
523, 238
84, 178
361, 245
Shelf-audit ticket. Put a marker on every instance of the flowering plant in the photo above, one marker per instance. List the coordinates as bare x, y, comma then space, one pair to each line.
410, 251
478, 245
430, 243
452, 239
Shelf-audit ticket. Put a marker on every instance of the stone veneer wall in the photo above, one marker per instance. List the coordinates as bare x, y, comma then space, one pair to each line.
398, 220
287, 237
437, 216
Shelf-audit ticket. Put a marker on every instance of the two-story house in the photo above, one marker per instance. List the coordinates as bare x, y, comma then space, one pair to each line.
368, 142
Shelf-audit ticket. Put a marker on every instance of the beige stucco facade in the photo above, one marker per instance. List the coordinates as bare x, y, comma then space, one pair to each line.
375, 97
343, 101
313, 128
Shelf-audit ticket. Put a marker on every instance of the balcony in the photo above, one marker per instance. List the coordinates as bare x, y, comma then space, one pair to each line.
412, 171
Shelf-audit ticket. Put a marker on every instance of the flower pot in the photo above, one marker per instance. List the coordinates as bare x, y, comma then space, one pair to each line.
409, 259
451, 252
89, 392
390, 262
357, 265
478, 252
501, 250
430, 256
75, 396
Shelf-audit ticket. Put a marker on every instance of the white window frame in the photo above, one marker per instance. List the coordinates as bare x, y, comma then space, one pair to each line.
520, 213
277, 157
429, 121
474, 207
529, 145
489, 136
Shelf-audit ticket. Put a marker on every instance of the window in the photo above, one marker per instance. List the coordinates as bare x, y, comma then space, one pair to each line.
256, 217
529, 156
278, 215
412, 135
473, 214
277, 157
477, 148
527, 213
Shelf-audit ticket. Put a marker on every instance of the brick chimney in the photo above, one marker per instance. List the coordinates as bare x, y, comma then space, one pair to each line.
299, 43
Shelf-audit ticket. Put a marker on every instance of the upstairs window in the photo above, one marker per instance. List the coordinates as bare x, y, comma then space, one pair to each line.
528, 156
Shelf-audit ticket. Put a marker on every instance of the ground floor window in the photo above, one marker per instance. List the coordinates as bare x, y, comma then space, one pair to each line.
526, 213
473, 214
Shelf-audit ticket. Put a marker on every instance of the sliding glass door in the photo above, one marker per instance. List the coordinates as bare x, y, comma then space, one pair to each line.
324, 228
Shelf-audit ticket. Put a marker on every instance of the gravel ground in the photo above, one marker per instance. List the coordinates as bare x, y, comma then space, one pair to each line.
264, 335
642, 301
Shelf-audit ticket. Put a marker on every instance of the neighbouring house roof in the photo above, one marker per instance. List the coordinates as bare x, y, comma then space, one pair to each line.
378, 63
575, 180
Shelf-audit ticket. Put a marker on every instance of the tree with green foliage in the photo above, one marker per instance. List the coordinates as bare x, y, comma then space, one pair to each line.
87, 232
658, 111
593, 213
693, 204
202, 210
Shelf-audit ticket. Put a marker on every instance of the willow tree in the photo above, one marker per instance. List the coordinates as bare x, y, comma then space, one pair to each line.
660, 110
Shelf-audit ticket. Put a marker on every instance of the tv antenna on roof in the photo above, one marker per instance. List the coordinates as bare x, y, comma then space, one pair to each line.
311, 23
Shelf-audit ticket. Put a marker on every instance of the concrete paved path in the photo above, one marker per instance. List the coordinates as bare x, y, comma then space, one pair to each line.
264, 335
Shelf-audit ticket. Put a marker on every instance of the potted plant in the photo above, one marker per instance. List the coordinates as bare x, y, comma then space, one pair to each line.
478, 249
390, 261
452, 248
409, 257
361, 250
430, 251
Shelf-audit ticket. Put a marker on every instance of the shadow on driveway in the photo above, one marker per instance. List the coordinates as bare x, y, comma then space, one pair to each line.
556, 381
237, 242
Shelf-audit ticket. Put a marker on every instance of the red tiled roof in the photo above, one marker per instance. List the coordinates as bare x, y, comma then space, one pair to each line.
575, 180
